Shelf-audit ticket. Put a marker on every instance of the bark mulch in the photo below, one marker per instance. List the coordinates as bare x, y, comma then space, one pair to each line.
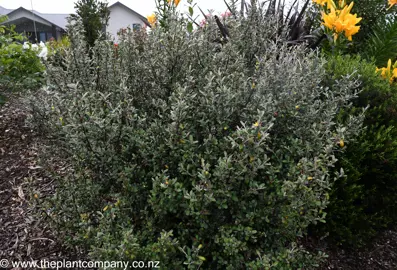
24, 233
379, 255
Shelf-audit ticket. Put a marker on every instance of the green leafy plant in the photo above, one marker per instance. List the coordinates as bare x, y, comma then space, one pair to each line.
192, 152
20, 69
363, 203
94, 15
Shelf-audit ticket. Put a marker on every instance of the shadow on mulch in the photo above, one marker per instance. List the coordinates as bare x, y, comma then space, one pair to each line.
381, 254
24, 234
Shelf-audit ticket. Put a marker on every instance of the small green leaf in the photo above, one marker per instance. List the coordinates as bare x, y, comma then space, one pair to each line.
190, 27
191, 11
202, 258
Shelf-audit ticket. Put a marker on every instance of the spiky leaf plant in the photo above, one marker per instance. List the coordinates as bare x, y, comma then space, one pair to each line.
382, 42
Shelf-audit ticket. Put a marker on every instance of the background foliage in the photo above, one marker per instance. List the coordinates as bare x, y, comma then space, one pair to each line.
363, 203
94, 15
20, 69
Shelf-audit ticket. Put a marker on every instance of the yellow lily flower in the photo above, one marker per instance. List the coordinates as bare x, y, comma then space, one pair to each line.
329, 19
342, 21
152, 19
389, 72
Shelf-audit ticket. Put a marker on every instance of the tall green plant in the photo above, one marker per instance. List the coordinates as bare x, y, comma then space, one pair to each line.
94, 15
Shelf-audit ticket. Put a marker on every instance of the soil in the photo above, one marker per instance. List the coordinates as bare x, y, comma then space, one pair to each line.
380, 255
25, 234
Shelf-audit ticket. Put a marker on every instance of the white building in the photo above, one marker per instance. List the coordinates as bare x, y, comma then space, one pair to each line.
54, 25
122, 16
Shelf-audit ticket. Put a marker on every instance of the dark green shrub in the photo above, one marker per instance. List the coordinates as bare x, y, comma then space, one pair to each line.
364, 201
194, 152
94, 15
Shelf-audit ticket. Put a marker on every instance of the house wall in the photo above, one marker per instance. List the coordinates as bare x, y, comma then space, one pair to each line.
120, 17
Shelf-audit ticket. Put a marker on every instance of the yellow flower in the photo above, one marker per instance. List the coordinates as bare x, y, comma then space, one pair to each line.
297, 107
392, 3
256, 124
36, 196
347, 22
176, 2
105, 208
342, 21
310, 178
394, 73
329, 19
389, 72
152, 19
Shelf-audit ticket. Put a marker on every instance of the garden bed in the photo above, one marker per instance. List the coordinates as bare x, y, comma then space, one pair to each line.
24, 235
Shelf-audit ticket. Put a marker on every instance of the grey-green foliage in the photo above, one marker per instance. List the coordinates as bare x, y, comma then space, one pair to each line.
204, 153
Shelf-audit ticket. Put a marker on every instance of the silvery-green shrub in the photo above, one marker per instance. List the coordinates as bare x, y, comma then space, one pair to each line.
195, 149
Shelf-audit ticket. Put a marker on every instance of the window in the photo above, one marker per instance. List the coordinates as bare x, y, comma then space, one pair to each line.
136, 26
42, 37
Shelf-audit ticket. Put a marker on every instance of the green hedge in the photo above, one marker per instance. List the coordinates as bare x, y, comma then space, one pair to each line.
364, 202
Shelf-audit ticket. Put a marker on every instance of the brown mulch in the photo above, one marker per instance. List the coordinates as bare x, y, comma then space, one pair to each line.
26, 235
379, 255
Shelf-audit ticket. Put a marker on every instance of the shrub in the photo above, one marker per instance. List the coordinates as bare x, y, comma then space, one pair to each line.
364, 202
57, 50
193, 149
94, 15
20, 69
